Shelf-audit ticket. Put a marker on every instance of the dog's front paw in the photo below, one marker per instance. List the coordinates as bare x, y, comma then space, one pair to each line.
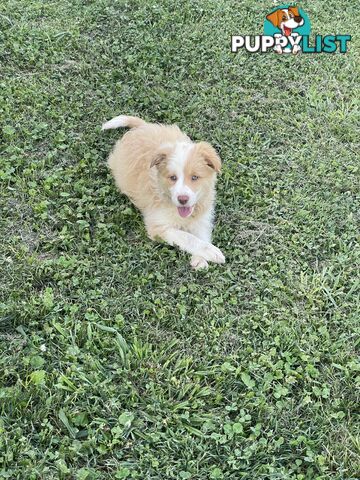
296, 49
212, 254
198, 263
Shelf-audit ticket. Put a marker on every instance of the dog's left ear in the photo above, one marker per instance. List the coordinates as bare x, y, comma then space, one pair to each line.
158, 159
274, 18
210, 155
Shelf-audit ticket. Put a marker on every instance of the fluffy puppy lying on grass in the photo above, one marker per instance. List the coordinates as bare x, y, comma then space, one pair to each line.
172, 181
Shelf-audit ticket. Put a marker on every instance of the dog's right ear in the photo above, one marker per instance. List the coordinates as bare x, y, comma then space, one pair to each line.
210, 156
295, 11
274, 18
158, 159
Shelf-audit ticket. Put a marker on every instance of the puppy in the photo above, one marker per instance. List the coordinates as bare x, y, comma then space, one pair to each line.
286, 20
171, 180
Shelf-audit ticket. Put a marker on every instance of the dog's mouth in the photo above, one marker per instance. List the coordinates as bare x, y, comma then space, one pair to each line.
287, 31
185, 211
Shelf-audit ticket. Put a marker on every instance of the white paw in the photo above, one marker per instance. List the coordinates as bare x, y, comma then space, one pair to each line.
212, 254
198, 263
296, 49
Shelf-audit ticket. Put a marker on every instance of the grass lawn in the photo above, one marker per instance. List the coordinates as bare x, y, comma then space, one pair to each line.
119, 362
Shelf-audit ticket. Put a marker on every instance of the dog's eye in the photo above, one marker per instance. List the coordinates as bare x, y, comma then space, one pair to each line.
173, 178
284, 17
194, 178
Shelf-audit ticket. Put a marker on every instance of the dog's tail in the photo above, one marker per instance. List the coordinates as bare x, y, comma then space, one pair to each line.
123, 121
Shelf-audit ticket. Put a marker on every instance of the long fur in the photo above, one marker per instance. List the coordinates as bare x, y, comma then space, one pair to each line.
142, 163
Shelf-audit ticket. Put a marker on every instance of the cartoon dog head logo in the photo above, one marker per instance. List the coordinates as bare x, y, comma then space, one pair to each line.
287, 30
287, 21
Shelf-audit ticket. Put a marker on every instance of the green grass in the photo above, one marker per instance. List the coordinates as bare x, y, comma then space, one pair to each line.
117, 361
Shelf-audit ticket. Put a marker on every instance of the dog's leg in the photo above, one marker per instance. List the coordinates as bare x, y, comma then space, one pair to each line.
198, 263
203, 231
188, 243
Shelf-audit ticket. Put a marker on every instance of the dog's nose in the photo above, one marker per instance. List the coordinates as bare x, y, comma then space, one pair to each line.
183, 199
297, 19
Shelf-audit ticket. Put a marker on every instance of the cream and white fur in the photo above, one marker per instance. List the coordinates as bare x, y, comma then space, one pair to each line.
172, 181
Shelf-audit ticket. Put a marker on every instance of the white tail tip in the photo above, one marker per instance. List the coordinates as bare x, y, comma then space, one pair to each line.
120, 121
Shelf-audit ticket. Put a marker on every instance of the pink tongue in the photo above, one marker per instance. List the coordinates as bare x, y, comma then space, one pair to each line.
184, 211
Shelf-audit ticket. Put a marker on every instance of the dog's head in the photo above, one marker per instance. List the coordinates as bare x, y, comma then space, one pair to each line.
286, 19
186, 173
